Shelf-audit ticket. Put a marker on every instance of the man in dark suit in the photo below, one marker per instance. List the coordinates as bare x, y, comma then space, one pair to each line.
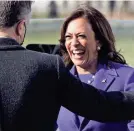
34, 85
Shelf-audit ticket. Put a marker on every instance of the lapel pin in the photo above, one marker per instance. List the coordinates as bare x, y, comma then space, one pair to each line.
104, 80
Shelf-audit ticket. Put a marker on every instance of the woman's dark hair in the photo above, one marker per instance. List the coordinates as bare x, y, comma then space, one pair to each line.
103, 33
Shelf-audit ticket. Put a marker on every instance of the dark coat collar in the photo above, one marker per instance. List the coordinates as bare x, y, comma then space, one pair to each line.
9, 44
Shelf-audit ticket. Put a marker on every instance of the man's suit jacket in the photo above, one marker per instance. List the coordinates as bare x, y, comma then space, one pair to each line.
34, 85
114, 77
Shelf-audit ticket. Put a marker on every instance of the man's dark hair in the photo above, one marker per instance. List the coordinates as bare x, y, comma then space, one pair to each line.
12, 12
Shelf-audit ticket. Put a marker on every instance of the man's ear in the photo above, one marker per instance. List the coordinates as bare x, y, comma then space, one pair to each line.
20, 27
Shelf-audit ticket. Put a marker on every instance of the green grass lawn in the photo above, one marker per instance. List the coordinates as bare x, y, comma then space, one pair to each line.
127, 49
42, 38
125, 44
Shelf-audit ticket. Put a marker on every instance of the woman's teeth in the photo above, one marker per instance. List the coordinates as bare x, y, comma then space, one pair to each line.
78, 52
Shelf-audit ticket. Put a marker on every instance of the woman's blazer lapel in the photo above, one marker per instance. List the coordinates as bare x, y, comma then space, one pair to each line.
104, 77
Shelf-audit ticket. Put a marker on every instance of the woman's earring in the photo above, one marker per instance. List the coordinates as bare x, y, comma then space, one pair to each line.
98, 48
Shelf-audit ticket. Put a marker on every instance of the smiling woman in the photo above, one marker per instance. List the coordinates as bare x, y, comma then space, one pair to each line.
88, 47
81, 45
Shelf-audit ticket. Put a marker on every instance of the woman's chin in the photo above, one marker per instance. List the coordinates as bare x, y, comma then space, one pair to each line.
78, 63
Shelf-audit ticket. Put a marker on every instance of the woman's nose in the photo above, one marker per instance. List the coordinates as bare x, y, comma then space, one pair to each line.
74, 42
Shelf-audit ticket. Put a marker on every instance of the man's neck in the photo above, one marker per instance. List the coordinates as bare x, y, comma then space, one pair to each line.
7, 33
4, 35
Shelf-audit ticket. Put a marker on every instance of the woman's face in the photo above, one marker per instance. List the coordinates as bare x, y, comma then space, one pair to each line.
80, 43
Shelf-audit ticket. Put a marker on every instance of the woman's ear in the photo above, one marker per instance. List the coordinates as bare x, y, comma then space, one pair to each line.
98, 45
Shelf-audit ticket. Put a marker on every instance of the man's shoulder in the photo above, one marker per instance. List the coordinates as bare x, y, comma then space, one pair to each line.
47, 60
40, 56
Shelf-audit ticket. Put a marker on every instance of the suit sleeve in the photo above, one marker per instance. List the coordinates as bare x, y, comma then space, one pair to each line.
129, 86
91, 103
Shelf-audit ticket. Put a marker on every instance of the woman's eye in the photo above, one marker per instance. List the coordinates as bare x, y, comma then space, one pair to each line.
67, 37
81, 36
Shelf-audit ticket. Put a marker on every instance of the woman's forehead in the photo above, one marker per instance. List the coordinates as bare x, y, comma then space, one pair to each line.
78, 25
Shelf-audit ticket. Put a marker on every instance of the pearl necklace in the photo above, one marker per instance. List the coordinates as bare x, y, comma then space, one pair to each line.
88, 81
